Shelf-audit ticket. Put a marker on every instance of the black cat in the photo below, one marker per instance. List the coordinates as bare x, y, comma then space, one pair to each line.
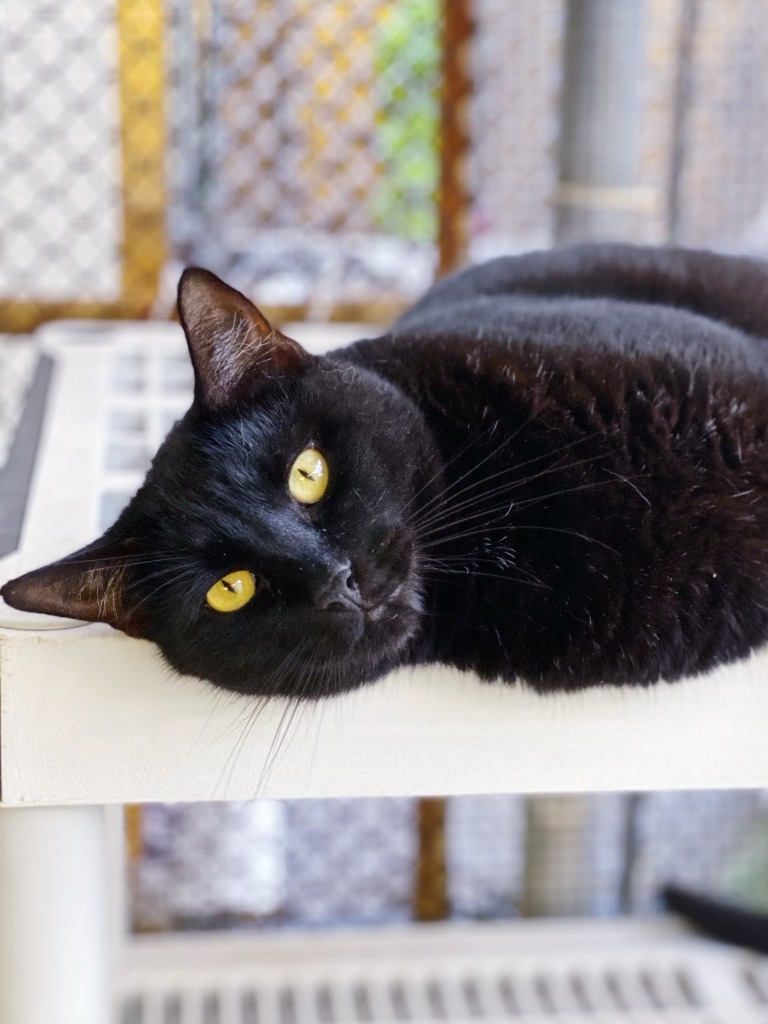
553, 468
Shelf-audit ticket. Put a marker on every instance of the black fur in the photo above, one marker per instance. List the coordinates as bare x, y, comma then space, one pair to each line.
553, 468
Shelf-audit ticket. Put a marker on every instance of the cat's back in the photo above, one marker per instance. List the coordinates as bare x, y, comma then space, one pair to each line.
725, 289
599, 335
706, 310
612, 327
586, 329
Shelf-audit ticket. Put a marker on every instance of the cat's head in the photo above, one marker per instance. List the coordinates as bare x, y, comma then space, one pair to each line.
269, 549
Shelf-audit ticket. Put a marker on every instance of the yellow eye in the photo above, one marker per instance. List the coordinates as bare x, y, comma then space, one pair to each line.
232, 591
308, 478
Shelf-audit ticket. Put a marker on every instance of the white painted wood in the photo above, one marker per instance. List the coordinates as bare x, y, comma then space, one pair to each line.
91, 716
54, 948
88, 715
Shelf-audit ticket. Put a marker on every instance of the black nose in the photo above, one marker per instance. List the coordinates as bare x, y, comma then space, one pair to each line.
341, 592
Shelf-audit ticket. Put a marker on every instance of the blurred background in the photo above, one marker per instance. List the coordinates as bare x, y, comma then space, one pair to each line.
330, 158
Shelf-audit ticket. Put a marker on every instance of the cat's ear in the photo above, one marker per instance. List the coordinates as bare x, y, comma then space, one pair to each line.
89, 585
232, 345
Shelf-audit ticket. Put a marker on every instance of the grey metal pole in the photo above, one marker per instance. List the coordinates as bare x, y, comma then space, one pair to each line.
598, 198
598, 194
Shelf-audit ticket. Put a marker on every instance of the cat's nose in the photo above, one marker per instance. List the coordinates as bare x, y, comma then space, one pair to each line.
341, 592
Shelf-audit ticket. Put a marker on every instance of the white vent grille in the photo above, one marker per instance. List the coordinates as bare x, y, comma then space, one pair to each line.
594, 973
617, 996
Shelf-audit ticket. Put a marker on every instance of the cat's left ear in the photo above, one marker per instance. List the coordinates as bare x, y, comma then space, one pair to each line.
232, 344
89, 585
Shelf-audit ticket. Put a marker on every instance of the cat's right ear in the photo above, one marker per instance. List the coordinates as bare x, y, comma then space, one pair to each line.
89, 584
233, 346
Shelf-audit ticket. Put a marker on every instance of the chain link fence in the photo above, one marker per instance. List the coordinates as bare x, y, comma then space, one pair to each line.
337, 863
315, 147
295, 147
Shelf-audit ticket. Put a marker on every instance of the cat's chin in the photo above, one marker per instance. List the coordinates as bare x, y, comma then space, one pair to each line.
364, 646
338, 651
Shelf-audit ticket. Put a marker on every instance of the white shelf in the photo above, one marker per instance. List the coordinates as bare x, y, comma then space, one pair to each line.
88, 715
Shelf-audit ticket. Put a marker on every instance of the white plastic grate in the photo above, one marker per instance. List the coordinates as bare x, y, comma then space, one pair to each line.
18, 358
148, 389
117, 391
143, 384
590, 973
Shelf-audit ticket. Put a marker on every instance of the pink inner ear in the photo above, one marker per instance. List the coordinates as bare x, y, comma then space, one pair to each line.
232, 344
94, 595
88, 585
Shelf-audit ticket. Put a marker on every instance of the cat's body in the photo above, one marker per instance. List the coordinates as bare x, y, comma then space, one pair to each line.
553, 468
641, 428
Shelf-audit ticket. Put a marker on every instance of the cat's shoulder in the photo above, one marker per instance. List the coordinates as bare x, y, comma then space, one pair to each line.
727, 289
699, 308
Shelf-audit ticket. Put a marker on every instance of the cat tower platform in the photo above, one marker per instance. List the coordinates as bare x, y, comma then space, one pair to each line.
90, 717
